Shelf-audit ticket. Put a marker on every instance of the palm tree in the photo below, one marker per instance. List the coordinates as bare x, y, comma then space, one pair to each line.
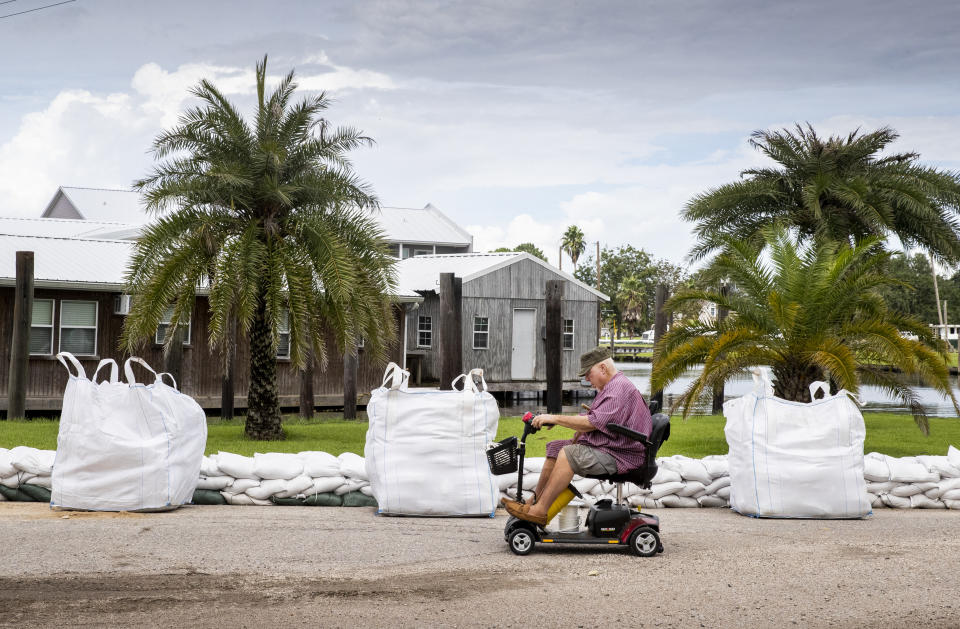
837, 188
809, 312
573, 243
270, 218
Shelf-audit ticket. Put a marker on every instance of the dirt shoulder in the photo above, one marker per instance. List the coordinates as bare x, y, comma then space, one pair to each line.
343, 567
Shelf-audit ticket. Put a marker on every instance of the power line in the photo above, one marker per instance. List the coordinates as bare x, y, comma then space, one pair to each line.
56, 4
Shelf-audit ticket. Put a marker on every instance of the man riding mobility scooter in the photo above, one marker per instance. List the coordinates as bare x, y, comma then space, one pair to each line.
607, 523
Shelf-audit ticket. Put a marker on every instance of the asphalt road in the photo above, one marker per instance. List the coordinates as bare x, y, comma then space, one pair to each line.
230, 567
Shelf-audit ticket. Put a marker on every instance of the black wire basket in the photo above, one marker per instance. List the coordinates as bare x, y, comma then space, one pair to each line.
503, 457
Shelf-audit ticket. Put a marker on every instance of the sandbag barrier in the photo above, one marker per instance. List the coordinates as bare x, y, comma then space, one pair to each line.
321, 479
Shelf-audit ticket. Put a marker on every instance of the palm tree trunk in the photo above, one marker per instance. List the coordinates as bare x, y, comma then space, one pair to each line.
263, 403
792, 381
936, 292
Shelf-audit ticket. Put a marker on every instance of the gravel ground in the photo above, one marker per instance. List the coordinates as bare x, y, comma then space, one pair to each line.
345, 567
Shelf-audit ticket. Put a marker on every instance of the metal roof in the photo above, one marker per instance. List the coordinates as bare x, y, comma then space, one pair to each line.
68, 262
61, 227
422, 273
424, 225
81, 263
103, 205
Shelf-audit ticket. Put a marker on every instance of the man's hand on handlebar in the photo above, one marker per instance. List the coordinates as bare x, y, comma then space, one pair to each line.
543, 421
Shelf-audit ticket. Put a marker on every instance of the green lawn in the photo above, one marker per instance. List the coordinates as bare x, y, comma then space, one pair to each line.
888, 433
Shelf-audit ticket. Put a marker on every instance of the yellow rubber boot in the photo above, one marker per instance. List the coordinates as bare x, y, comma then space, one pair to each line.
562, 501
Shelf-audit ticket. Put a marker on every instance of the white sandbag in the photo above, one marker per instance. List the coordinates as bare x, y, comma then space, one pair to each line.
875, 468
691, 489
326, 484
367, 490
719, 483
236, 465
426, 450
795, 460
351, 484
875, 501
939, 464
716, 465
723, 492
664, 475
906, 490
277, 465
605, 487
240, 485
506, 481
40, 481
215, 483
12, 481
919, 501
32, 460
630, 489
895, 502
660, 490
951, 504
6, 464
881, 488
711, 501
953, 494
296, 486
909, 470
692, 470
244, 499
530, 481
267, 488
123, 446
533, 464
674, 500
320, 464
953, 456
645, 502
209, 467
353, 466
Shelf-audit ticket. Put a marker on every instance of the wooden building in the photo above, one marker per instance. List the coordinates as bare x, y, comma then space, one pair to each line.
79, 307
503, 317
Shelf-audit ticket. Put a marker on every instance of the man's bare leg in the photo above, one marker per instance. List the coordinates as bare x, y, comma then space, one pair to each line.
544, 477
560, 476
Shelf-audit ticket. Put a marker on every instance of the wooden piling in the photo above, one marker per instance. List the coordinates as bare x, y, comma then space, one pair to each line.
717, 406
554, 345
227, 408
20, 343
659, 329
350, 383
306, 387
451, 329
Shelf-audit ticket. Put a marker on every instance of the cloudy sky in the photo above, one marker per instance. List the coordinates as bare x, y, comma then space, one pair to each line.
515, 118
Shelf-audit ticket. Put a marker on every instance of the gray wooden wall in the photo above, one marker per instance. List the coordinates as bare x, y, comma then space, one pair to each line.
495, 296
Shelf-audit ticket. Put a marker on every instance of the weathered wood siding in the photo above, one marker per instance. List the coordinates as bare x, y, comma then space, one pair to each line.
202, 365
495, 296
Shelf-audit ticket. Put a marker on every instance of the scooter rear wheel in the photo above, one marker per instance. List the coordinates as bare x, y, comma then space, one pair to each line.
644, 542
521, 541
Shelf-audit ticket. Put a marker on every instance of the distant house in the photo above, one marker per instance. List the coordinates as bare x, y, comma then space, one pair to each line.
503, 317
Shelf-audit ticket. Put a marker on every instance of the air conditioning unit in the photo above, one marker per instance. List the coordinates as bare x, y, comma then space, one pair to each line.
121, 304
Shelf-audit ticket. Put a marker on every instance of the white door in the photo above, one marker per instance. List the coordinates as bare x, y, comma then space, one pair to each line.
524, 344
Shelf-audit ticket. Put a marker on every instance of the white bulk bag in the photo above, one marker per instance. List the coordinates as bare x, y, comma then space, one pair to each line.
795, 460
425, 450
126, 446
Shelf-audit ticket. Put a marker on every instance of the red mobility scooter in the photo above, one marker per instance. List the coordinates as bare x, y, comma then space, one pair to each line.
607, 523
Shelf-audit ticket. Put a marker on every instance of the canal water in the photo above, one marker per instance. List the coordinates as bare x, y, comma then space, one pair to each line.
873, 398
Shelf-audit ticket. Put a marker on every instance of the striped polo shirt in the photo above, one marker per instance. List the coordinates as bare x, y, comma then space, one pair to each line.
618, 403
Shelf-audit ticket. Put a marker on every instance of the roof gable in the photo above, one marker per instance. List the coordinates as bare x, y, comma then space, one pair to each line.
96, 204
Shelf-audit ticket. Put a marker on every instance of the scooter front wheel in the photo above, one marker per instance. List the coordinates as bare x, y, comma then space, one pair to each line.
521, 541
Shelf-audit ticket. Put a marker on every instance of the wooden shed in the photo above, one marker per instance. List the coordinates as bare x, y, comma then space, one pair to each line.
503, 317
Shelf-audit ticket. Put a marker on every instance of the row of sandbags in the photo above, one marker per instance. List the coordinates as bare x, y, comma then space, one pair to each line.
280, 478
924, 482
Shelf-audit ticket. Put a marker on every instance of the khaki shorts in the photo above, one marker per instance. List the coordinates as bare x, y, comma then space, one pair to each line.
587, 461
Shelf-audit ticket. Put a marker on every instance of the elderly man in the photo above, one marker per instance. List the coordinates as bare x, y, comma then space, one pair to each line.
594, 449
